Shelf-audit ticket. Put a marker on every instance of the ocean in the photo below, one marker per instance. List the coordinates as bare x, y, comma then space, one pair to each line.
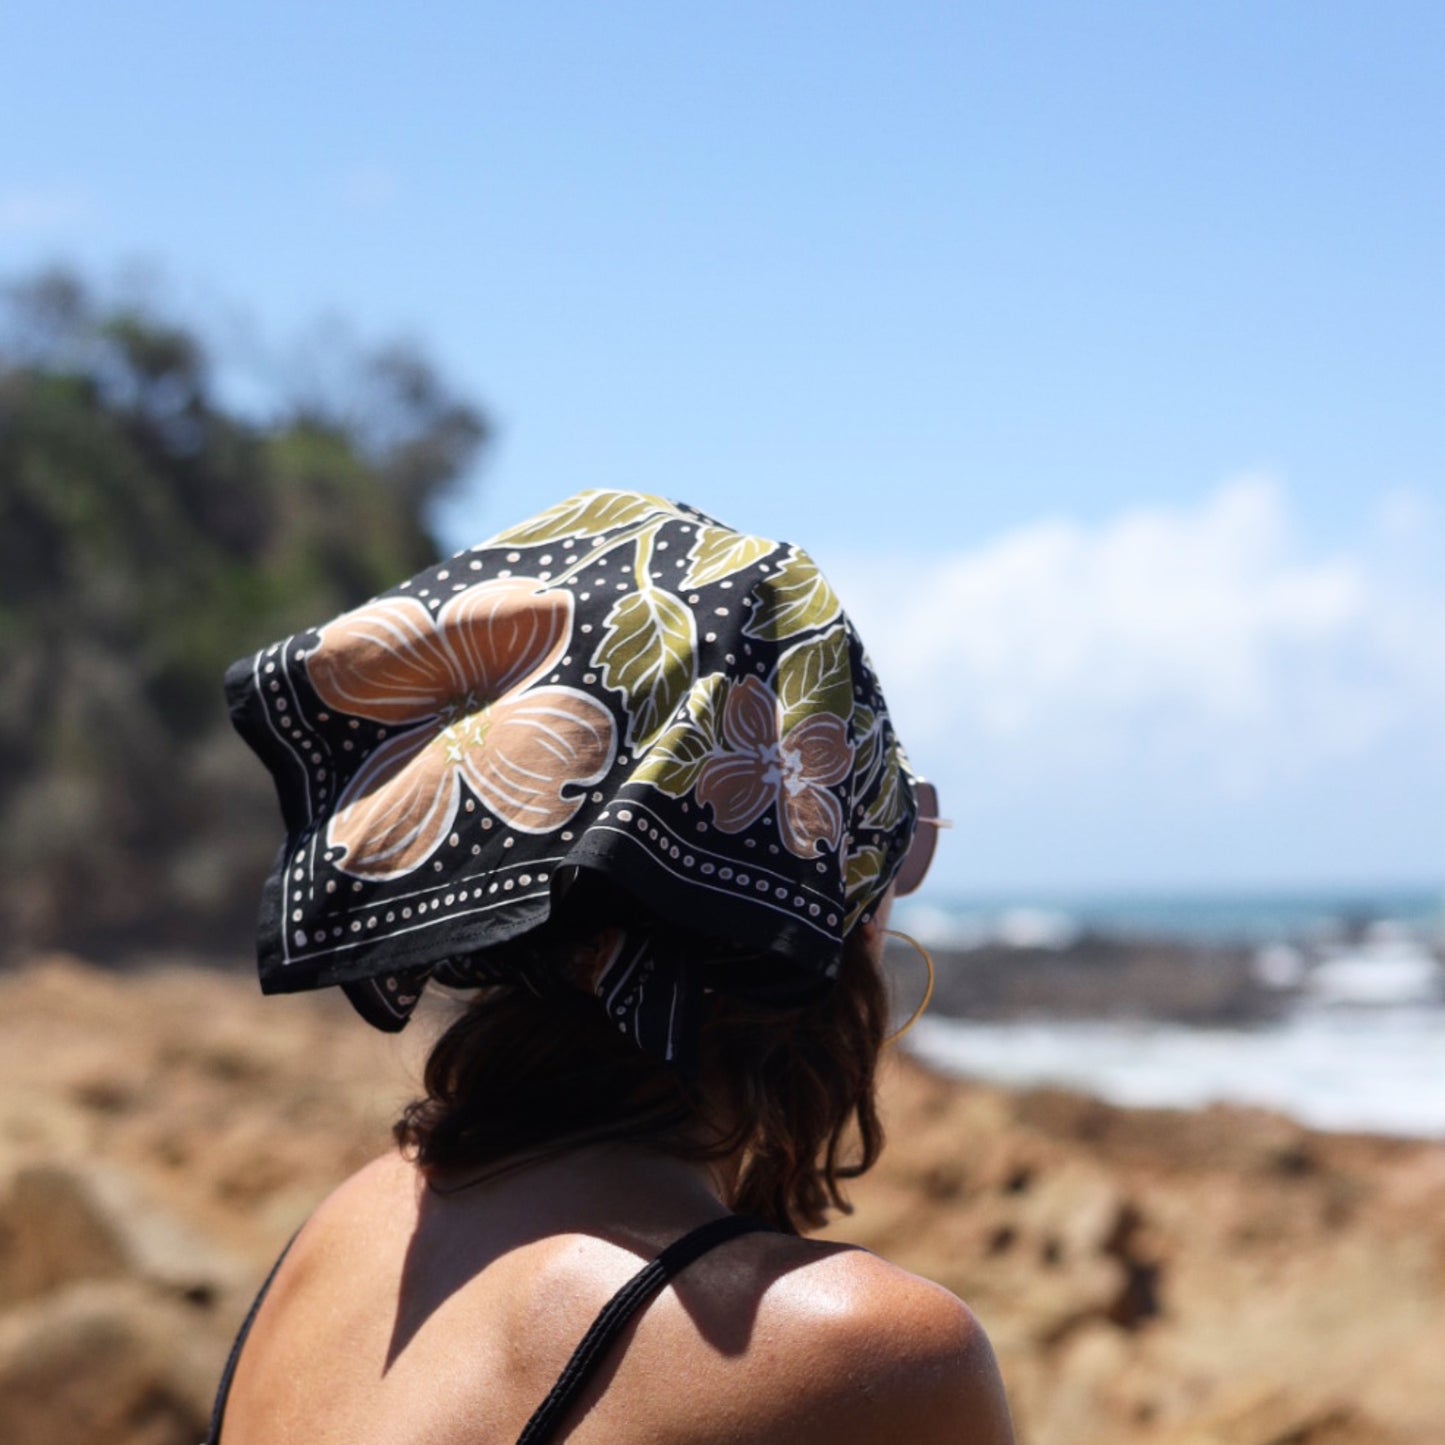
1358, 1044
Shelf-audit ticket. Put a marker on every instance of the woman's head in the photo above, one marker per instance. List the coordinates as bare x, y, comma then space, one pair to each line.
617, 700
781, 1098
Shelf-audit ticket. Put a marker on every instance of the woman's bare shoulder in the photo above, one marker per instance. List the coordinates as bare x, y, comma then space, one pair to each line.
881, 1355
802, 1342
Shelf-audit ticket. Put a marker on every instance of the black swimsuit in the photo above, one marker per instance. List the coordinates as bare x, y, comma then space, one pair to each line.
610, 1322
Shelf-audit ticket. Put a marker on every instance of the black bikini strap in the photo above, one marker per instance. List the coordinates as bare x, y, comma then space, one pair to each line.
619, 1310
223, 1391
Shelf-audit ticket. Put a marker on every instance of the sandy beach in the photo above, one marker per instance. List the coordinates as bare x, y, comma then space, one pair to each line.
1221, 1277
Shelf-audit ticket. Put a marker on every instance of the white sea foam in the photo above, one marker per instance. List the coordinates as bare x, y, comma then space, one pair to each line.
1281, 965
937, 927
1036, 928
1380, 1069
1387, 969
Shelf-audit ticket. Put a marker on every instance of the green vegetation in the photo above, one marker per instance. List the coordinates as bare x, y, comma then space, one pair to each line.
149, 536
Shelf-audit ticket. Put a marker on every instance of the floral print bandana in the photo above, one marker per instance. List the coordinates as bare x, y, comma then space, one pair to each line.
620, 685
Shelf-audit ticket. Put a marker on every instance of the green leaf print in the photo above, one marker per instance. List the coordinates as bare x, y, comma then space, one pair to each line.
709, 697
814, 677
862, 868
588, 514
795, 599
887, 807
648, 653
868, 745
860, 878
673, 762
718, 553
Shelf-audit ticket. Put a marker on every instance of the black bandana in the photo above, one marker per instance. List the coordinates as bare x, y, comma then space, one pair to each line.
619, 685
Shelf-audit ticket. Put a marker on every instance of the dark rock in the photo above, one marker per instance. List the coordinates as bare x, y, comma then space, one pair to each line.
1103, 978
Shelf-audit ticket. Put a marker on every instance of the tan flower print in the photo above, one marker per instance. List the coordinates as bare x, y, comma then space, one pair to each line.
460, 682
769, 766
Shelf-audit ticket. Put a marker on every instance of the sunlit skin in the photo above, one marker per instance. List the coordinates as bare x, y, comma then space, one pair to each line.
407, 1314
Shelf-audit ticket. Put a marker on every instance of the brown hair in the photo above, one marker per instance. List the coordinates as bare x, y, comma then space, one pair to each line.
786, 1094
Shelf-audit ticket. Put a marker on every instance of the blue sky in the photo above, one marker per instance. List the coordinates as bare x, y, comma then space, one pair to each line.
1105, 343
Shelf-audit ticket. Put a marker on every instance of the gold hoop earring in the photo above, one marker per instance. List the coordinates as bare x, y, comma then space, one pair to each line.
927, 992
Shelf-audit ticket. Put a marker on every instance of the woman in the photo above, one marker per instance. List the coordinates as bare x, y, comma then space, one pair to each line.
628, 775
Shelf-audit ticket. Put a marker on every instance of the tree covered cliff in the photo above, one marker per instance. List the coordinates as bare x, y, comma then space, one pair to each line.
149, 534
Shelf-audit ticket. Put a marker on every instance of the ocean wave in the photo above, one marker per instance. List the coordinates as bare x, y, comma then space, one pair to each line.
1380, 1069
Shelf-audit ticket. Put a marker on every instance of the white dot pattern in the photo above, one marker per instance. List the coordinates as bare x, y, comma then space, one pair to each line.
489, 869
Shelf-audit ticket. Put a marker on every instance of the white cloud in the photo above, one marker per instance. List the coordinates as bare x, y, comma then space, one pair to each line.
1207, 645
28, 212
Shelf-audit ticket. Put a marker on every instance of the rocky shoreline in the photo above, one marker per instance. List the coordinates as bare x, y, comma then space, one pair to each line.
1182, 1278
1109, 977
1104, 977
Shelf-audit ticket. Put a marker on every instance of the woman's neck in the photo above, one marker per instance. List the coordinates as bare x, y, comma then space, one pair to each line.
618, 1179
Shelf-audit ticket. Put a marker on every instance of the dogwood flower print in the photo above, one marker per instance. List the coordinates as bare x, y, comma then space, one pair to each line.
462, 683
791, 770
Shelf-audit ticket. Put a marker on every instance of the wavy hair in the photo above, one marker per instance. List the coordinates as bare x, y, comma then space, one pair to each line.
784, 1095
